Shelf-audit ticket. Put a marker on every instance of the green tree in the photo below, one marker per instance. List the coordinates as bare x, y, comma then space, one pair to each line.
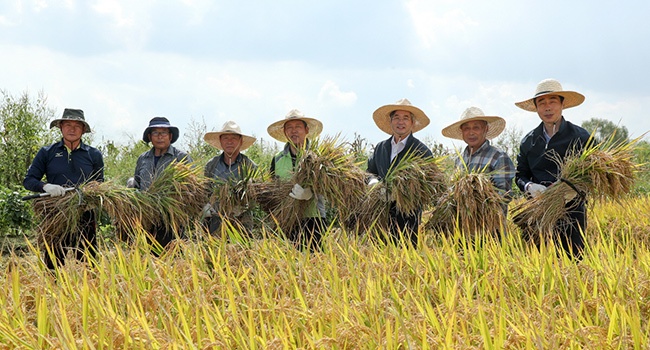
23, 130
603, 129
509, 142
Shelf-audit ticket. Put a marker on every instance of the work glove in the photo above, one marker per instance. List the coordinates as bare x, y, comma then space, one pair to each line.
54, 190
534, 189
207, 211
301, 194
373, 181
382, 190
130, 182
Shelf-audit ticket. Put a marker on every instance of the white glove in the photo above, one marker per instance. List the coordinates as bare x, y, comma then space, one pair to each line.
535, 189
207, 211
130, 182
54, 190
373, 181
301, 194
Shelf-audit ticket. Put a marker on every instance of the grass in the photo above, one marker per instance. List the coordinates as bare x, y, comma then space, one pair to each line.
264, 294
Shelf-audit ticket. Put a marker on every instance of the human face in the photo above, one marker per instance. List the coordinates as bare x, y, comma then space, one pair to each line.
160, 138
230, 143
296, 131
549, 108
72, 130
474, 133
401, 122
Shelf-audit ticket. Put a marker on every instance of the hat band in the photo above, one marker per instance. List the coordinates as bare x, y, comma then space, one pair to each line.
543, 92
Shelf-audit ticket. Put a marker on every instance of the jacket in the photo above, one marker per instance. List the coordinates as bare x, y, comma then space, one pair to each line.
64, 168
535, 161
379, 162
146, 168
216, 168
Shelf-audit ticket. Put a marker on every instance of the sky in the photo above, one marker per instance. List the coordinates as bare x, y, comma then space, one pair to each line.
126, 61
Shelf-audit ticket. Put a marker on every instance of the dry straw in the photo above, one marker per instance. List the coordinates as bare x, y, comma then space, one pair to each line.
604, 170
174, 199
471, 206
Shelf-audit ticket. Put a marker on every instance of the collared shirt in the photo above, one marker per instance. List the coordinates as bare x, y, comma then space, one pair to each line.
489, 159
396, 147
64, 167
146, 168
217, 168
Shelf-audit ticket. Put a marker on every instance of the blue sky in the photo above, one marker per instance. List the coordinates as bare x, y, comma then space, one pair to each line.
124, 62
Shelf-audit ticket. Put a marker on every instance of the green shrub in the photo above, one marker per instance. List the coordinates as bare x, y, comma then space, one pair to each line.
15, 214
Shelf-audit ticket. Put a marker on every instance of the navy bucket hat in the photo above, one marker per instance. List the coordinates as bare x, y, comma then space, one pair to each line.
160, 122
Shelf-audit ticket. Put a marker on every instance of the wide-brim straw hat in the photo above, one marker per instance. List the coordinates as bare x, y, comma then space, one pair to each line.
551, 87
160, 122
71, 114
496, 125
276, 130
230, 127
382, 116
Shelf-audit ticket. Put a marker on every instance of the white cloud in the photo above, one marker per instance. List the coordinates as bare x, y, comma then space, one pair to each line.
330, 93
434, 21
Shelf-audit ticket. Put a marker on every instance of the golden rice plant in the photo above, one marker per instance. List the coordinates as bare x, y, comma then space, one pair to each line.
471, 206
175, 198
273, 198
603, 170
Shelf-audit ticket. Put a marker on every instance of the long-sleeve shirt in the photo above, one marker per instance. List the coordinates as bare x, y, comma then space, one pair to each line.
64, 167
489, 159
148, 167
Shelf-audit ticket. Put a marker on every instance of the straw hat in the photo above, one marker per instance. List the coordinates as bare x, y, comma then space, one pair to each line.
71, 114
276, 130
551, 87
160, 122
382, 116
495, 124
229, 127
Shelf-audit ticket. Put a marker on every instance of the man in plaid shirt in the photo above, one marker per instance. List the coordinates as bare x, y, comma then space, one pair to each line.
476, 129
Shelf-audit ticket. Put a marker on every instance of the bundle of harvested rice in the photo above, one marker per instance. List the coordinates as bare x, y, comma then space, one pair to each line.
235, 195
471, 206
604, 170
175, 199
328, 170
415, 182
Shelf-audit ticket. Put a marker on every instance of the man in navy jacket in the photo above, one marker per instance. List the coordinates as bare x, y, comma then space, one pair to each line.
400, 120
66, 164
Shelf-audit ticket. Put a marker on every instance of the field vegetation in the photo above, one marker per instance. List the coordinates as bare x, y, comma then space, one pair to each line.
234, 292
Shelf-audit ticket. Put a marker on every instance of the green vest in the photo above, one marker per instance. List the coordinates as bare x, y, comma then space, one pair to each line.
284, 171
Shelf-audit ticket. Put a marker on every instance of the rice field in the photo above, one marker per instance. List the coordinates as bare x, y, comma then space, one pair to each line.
227, 293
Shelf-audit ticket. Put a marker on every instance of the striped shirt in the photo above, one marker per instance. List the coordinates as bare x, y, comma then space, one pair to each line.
489, 159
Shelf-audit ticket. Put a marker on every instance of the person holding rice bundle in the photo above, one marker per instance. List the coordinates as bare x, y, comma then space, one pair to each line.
537, 162
296, 129
162, 135
66, 164
230, 164
400, 120
477, 129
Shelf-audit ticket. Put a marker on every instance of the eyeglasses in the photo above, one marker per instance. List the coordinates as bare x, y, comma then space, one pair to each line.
159, 133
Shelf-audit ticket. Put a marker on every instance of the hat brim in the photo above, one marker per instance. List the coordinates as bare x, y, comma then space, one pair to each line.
173, 129
276, 130
571, 99
381, 116
213, 138
57, 123
496, 125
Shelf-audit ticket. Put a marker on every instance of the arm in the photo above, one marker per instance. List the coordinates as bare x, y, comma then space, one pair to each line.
504, 172
36, 171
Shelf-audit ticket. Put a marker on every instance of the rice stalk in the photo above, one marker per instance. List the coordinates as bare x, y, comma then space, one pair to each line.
235, 195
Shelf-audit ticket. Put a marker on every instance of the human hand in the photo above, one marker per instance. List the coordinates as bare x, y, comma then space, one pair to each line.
54, 190
373, 181
534, 189
300, 193
130, 182
207, 211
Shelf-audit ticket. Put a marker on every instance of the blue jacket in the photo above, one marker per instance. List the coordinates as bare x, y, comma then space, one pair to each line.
535, 159
62, 168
